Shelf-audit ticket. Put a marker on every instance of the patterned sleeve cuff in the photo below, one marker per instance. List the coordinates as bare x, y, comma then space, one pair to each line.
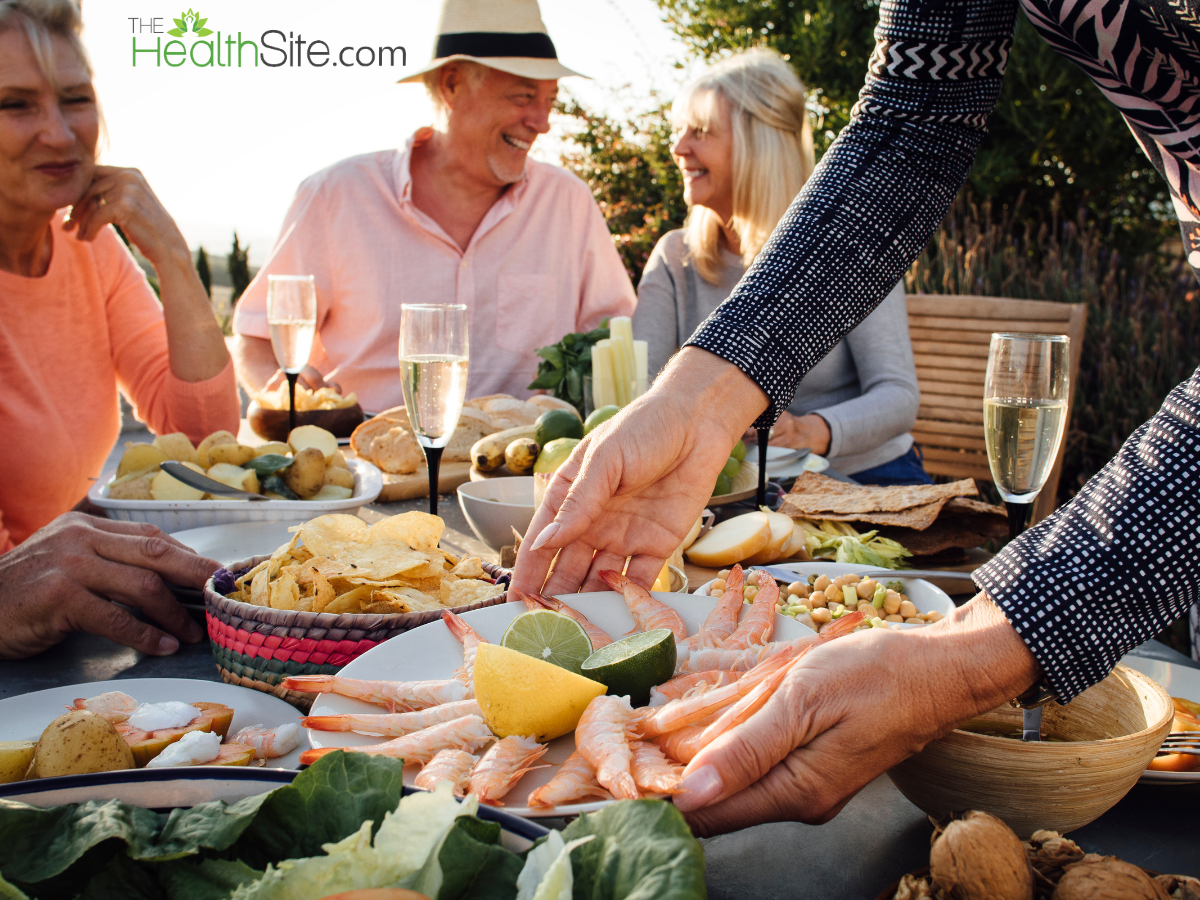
751, 348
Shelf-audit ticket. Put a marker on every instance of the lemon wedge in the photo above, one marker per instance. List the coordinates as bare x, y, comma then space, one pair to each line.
521, 695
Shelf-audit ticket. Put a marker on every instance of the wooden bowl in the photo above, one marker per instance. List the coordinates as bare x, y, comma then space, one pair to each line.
272, 424
1107, 735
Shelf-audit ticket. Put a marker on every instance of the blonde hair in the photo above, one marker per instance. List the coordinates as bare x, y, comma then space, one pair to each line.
472, 72
772, 150
42, 20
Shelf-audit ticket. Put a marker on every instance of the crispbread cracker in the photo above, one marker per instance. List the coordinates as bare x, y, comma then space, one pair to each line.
815, 497
918, 517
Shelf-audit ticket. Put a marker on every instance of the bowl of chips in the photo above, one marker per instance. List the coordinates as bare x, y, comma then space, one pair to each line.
337, 589
324, 407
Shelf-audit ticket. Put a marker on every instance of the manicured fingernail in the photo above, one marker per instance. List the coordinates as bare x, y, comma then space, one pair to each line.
167, 645
547, 535
699, 789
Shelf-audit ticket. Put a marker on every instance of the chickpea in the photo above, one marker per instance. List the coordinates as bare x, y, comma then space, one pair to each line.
798, 589
817, 600
866, 588
749, 592
852, 579
718, 587
891, 603
821, 616
907, 609
822, 583
934, 616
837, 584
867, 610
915, 621
894, 618
723, 574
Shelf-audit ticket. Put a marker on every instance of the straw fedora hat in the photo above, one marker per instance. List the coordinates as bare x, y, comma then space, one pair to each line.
508, 35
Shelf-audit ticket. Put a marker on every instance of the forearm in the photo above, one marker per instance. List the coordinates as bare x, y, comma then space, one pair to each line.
713, 389
255, 362
194, 340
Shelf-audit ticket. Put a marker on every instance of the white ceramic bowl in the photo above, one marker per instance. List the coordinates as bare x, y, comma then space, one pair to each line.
495, 507
178, 515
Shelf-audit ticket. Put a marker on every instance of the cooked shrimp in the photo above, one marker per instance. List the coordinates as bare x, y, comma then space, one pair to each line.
269, 743
393, 724
471, 640
112, 705
502, 767
733, 660
601, 737
453, 766
758, 623
723, 620
690, 709
683, 744
652, 771
754, 700
681, 685
598, 636
406, 696
468, 733
648, 612
574, 780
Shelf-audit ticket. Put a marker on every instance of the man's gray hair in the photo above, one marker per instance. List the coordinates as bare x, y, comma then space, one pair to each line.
42, 20
473, 72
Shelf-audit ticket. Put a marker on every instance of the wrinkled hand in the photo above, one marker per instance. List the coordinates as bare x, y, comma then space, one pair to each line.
64, 577
309, 377
795, 432
849, 711
635, 485
123, 197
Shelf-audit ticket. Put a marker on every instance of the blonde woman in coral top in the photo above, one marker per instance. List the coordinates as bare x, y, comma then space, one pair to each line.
78, 323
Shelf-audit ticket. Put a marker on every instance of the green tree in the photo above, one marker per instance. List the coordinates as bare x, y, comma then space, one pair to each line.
204, 271
635, 181
239, 268
1052, 134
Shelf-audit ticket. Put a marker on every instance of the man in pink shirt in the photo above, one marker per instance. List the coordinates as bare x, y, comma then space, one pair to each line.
460, 215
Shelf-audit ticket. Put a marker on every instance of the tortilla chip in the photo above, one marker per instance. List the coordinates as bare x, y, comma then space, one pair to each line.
468, 591
468, 568
816, 497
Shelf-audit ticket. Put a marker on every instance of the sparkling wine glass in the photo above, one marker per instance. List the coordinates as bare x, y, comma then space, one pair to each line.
292, 318
1024, 415
433, 376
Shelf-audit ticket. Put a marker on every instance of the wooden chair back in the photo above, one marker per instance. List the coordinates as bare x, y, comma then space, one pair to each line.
950, 337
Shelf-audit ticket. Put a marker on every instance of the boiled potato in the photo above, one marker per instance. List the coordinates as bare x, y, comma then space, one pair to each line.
135, 486
164, 487
341, 477
306, 475
278, 447
15, 757
177, 446
234, 476
312, 436
139, 458
79, 742
332, 492
233, 454
338, 461
213, 440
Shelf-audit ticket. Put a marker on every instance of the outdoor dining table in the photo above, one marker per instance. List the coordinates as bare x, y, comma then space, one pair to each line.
874, 840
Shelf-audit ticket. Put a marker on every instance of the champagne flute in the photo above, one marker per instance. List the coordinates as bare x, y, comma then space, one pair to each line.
433, 376
1024, 415
292, 318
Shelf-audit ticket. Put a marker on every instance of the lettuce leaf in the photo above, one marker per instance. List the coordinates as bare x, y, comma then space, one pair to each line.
470, 864
643, 850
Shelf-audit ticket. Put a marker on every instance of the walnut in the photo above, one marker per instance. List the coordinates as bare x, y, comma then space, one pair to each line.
1107, 878
1050, 853
913, 888
978, 857
1180, 887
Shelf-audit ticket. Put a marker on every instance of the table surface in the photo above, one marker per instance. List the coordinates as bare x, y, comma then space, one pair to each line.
878, 836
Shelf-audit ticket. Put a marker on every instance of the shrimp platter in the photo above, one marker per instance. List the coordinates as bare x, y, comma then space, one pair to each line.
382, 702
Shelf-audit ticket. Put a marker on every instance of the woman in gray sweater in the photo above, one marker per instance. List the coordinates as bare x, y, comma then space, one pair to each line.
744, 144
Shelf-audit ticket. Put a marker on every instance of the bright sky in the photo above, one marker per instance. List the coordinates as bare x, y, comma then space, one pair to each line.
225, 148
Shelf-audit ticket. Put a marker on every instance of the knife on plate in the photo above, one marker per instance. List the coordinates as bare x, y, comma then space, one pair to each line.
180, 472
790, 574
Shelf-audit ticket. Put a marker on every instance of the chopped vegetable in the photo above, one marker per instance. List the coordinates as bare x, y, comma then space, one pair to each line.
565, 364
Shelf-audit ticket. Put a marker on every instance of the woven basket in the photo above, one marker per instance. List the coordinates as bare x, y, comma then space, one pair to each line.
258, 647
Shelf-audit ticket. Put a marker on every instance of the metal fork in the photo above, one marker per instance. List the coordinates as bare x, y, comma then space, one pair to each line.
1187, 742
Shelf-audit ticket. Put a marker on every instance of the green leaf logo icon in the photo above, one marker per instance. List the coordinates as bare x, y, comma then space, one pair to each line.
196, 26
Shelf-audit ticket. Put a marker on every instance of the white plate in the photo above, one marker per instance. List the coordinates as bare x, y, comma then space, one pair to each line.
233, 543
925, 596
163, 789
1178, 681
432, 652
177, 515
24, 717
811, 463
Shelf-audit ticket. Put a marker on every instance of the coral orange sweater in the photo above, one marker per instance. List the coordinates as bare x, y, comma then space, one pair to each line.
69, 341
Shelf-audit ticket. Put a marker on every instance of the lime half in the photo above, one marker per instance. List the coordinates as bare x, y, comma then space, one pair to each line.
634, 665
549, 636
